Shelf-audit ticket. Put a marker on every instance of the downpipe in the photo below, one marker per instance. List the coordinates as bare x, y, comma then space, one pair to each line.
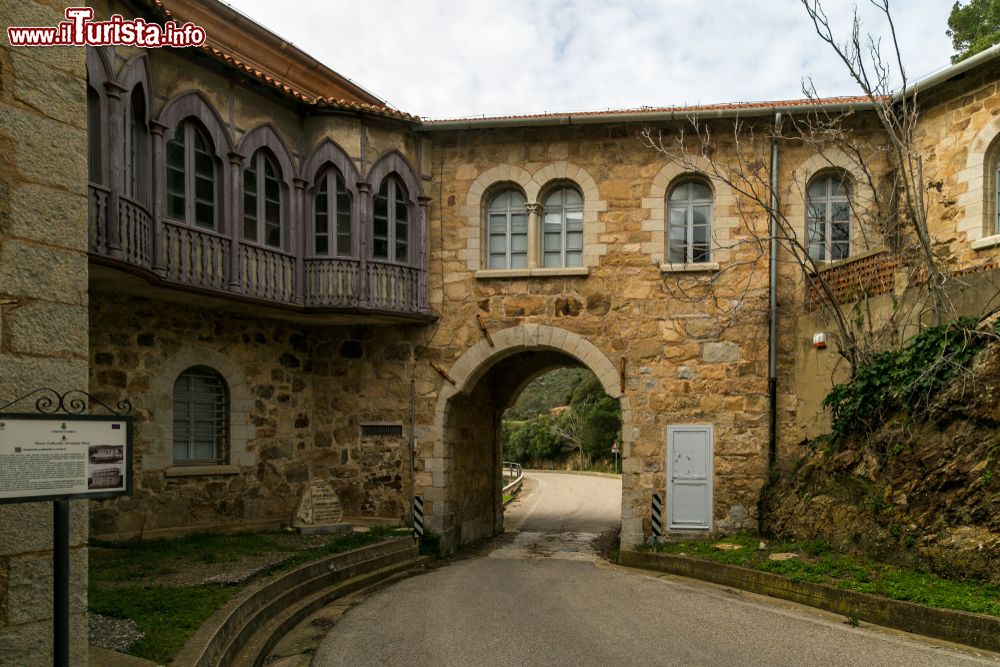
772, 324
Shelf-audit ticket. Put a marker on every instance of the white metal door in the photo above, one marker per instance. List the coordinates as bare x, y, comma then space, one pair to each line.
689, 477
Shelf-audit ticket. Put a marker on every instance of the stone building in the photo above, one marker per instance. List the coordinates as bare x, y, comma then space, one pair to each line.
291, 280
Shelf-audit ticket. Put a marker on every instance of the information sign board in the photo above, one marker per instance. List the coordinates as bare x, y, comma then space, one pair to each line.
53, 456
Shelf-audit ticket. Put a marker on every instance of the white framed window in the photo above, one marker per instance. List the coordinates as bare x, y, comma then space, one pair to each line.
689, 223
507, 230
191, 177
200, 417
562, 228
391, 222
828, 218
262, 200
332, 227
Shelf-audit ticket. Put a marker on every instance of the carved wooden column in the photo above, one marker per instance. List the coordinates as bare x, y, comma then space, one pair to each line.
234, 207
534, 233
157, 177
299, 231
364, 226
115, 166
423, 262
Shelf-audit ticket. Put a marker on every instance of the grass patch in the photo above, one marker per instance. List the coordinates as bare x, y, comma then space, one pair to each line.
166, 616
146, 581
817, 563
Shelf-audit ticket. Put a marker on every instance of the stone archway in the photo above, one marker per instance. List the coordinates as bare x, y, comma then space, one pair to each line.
460, 480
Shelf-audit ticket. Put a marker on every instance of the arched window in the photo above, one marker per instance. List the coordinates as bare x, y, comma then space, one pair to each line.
391, 228
828, 211
332, 215
201, 417
507, 228
191, 177
135, 141
262, 200
689, 216
562, 228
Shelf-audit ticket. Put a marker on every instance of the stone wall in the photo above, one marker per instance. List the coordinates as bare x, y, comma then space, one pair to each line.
681, 364
295, 416
959, 139
43, 309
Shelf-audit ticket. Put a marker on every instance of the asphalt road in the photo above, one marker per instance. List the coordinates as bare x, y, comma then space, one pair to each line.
543, 597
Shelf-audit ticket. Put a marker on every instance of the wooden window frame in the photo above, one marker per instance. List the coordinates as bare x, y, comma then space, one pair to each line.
190, 127
330, 177
508, 212
827, 202
394, 186
688, 205
257, 164
563, 226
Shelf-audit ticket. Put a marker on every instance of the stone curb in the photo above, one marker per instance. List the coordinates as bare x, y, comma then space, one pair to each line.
213, 642
962, 627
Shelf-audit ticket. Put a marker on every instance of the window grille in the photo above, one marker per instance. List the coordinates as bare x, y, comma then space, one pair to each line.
381, 430
201, 417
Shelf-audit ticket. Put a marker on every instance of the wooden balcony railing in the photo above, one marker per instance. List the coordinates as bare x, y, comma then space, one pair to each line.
332, 282
202, 259
196, 257
267, 274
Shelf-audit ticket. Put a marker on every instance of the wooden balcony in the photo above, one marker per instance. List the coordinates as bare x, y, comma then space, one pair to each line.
179, 257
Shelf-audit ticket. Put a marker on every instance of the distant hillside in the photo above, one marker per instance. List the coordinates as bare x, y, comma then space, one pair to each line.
552, 390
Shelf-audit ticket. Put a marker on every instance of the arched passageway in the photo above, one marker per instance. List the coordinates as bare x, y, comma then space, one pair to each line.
465, 465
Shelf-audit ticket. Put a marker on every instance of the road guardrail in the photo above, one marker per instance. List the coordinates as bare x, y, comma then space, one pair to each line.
515, 474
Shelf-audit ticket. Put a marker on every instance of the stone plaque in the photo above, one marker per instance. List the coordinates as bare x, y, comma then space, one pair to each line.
319, 506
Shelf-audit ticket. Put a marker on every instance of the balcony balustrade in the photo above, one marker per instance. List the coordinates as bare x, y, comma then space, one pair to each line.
201, 260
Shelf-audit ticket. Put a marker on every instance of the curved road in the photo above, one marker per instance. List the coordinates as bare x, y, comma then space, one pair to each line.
543, 597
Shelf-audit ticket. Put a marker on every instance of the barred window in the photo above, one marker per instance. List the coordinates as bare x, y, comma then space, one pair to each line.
201, 417
828, 211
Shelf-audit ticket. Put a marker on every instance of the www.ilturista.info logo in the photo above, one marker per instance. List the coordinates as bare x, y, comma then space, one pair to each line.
79, 30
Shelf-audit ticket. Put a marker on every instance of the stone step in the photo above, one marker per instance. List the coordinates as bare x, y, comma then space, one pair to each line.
220, 638
256, 648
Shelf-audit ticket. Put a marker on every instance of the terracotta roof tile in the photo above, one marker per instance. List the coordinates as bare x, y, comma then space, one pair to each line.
687, 109
288, 90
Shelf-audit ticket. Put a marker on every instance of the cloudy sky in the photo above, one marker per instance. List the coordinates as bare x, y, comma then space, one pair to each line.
455, 58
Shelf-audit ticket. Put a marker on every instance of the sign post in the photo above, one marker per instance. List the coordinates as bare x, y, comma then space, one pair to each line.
614, 450
58, 453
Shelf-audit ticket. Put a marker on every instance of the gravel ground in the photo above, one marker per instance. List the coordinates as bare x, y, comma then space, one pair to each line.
115, 634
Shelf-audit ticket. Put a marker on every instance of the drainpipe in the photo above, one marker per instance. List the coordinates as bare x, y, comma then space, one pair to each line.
413, 442
772, 338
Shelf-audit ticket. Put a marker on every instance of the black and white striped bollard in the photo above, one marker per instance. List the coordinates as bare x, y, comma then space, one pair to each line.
657, 517
418, 517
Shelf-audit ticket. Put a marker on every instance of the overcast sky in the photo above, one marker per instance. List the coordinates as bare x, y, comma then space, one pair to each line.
455, 58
